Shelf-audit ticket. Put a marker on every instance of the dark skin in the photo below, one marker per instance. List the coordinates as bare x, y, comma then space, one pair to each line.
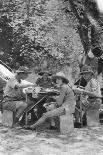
44, 81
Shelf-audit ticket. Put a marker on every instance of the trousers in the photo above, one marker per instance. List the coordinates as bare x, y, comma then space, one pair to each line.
17, 106
50, 114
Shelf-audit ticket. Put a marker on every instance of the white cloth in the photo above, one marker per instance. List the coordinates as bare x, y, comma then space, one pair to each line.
10, 88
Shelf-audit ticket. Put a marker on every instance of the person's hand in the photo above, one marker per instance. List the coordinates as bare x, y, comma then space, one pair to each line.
55, 97
37, 90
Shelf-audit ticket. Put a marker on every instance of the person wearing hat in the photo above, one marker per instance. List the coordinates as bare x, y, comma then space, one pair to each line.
14, 98
92, 86
64, 102
44, 81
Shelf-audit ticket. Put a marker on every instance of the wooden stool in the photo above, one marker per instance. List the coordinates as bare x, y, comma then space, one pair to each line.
8, 118
66, 123
93, 118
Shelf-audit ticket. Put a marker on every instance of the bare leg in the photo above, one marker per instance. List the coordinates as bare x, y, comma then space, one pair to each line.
20, 106
52, 122
56, 112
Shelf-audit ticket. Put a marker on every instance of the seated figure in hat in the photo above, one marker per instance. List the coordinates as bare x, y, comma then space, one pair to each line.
91, 105
14, 98
45, 81
64, 102
92, 86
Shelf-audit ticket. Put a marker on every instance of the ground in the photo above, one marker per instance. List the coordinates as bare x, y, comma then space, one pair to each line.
85, 141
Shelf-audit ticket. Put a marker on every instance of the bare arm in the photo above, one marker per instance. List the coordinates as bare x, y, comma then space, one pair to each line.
22, 85
60, 98
81, 91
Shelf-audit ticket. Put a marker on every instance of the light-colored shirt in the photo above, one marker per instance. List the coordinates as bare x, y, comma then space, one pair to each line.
93, 86
66, 98
11, 90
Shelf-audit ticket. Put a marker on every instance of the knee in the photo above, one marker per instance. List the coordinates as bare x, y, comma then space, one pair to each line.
24, 105
45, 116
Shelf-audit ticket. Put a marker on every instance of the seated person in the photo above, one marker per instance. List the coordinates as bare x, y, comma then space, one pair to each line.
14, 99
45, 81
92, 86
64, 102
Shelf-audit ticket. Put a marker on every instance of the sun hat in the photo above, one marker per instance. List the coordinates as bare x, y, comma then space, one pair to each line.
44, 72
60, 75
86, 69
23, 69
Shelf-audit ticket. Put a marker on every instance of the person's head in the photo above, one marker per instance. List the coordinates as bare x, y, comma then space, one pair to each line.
87, 73
60, 79
17, 65
22, 73
44, 74
22, 76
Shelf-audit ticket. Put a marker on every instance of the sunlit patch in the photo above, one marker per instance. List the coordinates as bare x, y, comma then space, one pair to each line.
100, 5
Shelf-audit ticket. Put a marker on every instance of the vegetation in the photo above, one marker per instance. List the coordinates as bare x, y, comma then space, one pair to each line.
46, 34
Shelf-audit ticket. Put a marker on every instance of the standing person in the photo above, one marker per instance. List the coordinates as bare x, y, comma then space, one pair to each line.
64, 102
14, 99
93, 104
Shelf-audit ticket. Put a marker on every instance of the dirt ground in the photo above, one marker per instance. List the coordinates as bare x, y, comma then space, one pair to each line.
85, 141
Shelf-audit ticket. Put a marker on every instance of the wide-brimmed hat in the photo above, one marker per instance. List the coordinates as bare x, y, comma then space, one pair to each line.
60, 75
23, 69
86, 69
45, 72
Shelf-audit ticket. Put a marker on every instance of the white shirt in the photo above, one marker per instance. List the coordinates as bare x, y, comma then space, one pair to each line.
11, 90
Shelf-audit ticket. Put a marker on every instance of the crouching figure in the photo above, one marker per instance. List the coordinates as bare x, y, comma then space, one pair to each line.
65, 102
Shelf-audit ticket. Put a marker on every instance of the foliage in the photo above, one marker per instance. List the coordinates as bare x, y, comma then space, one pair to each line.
42, 34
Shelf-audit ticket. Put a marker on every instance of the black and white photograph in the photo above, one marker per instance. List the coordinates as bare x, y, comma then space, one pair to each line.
51, 77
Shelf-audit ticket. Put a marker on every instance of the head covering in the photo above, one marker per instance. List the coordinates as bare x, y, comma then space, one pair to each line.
86, 69
62, 76
23, 69
44, 72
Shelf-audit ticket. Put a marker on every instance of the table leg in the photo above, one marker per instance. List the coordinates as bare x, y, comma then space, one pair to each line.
81, 112
26, 119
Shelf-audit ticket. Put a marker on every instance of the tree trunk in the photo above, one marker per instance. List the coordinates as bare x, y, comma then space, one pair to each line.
83, 26
28, 8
